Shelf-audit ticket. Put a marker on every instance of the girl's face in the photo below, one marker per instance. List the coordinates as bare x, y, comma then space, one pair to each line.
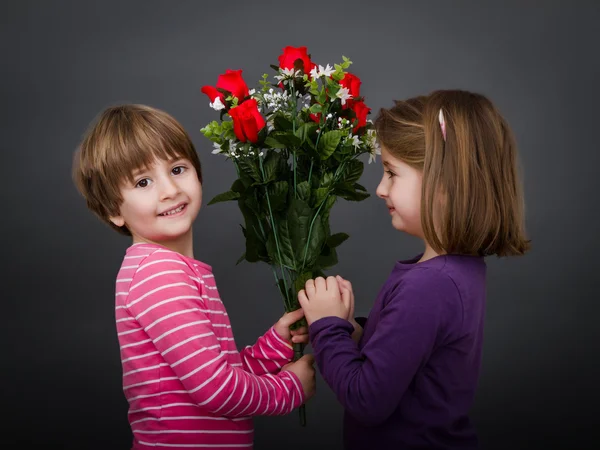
162, 203
400, 188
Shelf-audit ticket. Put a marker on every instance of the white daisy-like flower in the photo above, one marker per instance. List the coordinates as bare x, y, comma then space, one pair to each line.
285, 74
217, 148
375, 148
355, 142
344, 94
326, 71
314, 73
217, 105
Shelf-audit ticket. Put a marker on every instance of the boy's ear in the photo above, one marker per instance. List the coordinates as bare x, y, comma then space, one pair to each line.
117, 220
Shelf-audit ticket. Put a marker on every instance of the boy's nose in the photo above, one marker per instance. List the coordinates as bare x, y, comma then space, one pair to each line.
169, 188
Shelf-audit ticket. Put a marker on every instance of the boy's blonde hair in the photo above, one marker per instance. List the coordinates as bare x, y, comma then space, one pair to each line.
470, 180
123, 139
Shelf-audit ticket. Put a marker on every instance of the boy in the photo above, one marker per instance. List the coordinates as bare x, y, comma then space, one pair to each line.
186, 383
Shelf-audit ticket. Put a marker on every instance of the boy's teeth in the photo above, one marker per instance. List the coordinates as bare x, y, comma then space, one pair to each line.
173, 211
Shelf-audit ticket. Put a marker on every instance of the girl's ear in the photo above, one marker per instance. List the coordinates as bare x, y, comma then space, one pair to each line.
117, 220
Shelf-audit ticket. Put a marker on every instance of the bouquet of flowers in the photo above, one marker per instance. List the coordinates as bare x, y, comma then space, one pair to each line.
295, 143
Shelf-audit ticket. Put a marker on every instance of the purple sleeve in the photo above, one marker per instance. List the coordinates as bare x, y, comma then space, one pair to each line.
369, 383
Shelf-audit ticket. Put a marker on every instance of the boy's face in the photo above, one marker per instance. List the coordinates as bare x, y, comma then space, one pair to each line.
162, 203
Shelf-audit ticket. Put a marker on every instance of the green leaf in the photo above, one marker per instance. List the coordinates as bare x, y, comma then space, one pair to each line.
255, 246
278, 193
316, 108
303, 191
327, 258
320, 194
328, 179
270, 166
349, 192
354, 170
301, 280
336, 239
251, 202
322, 97
329, 142
274, 143
300, 218
285, 255
238, 186
328, 205
282, 123
278, 139
224, 197
305, 130
249, 168
242, 258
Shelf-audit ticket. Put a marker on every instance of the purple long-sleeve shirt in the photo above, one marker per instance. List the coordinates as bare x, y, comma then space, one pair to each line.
411, 380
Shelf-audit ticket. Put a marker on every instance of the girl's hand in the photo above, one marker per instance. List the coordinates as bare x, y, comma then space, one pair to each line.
324, 298
345, 285
282, 327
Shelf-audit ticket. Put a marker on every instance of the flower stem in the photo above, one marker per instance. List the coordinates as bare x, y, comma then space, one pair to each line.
274, 232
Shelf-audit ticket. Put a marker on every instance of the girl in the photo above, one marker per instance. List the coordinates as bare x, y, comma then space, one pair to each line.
450, 178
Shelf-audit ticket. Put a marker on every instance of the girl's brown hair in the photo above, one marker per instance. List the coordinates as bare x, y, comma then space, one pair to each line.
472, 201
123, 139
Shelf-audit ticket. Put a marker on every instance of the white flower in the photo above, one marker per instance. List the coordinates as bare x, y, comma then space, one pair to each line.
374, 144
217, 148
285, 74
252, 91
355, 142
217, 105
343, 94
326, 71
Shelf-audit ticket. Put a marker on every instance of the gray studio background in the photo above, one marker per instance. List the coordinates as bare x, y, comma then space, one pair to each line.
63, 62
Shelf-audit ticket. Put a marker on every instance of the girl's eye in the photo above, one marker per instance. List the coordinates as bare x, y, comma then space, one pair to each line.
390, 173
178, 170
144, 182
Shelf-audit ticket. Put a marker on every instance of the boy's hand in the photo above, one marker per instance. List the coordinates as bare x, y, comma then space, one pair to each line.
324, 298
282, 327
304, 370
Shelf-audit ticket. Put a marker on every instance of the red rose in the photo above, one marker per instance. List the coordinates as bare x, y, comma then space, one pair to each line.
231, 81
361, 110
247, 121
290, 56
352, 83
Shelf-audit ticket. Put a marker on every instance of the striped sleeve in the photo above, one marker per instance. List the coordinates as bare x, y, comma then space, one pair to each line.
167, 303
270, 353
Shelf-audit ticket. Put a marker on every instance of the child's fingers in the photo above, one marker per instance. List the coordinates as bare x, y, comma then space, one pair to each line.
331, 283
300, 339
302, 298
309, 287
292, 317
346, 298
320, 284
302, 330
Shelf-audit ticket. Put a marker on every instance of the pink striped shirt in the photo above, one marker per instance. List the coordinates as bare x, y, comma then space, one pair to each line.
186, 383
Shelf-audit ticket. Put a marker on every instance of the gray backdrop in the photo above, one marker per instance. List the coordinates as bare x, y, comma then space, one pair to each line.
62, 62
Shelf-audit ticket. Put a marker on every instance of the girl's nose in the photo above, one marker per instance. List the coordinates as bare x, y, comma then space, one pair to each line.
381, 189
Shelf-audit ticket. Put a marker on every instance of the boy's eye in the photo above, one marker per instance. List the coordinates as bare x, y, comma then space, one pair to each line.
390, 173
144, 182
178, 170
